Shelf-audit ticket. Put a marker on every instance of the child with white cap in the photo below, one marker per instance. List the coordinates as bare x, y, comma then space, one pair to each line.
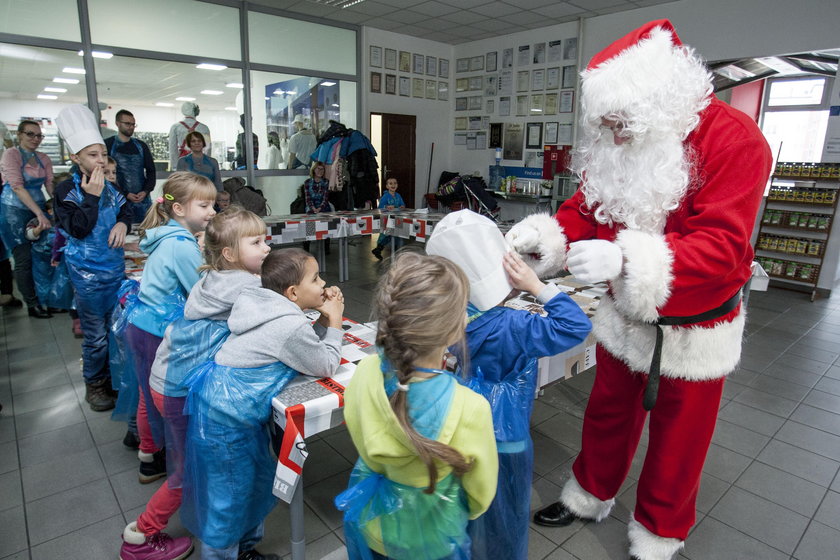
95, 217
502, 345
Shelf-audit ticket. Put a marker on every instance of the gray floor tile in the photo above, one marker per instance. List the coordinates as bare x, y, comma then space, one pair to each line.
829, 512
42, 399
785, 378
711, 491
325, 462
812, 353
564, 398
7, 428
11, 494
820, 542
761, 519
48, 518
801, 363
811, 439
339, 439
826, 384
713, 540
548, 453
8, 457
538, 545
104, 430
766, 402
564, 428
751, 418
52, 375
319, 497
599, 541
40, 421
276, 541
739, 439
49, 445
541, 412
800, 462
821, 343
117, 458
817, 418
833, 372
782, 488
826, 401
61, 473
725, 464
12, 531
99, 541
544, 493
130, 493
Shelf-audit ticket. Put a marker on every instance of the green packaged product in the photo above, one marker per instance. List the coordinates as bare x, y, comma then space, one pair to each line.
803, 220
790, 269
813, 221
776, 218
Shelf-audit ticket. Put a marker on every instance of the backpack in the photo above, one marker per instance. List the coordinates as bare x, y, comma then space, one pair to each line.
298, 205
182, 149
247, 197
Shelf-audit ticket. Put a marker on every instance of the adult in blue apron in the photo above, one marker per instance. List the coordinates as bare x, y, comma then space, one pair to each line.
17, 208
96, 271
134, 168
198, 162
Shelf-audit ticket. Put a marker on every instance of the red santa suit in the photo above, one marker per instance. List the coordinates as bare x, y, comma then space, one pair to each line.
698, 260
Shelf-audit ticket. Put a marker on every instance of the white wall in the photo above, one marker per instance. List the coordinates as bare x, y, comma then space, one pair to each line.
434, 118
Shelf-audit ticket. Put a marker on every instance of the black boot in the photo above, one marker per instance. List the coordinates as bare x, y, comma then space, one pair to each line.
555, 515
377, 252
97, 396
39, 312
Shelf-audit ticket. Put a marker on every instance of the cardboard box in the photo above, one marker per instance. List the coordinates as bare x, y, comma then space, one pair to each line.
567, 364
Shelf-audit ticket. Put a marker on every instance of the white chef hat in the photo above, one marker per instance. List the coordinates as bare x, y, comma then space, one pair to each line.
78, 127
190, 109
475, 244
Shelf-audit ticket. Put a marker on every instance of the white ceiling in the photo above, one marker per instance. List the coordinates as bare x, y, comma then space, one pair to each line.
459, 21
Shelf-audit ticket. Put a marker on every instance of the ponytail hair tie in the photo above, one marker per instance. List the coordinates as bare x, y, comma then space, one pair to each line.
169, 197
402, 387
159, 200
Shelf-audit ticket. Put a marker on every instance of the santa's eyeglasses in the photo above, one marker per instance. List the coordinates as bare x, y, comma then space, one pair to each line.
617, 128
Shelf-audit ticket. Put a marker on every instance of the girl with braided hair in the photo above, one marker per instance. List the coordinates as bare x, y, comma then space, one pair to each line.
427, 457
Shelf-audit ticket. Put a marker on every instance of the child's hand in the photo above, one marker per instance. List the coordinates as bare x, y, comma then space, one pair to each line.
117, 236
332, 310
522, 276
389, 207
53, 263
96, 183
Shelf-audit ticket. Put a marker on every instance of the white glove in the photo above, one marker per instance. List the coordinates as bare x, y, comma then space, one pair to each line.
523, 238
595, 260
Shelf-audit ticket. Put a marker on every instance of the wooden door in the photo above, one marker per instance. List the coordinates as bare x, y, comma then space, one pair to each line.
398, 154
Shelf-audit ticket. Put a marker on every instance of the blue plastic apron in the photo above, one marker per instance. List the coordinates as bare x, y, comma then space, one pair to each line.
206, 161
131, 175
15, 215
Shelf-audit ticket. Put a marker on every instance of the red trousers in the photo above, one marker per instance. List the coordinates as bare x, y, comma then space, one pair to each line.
680, 429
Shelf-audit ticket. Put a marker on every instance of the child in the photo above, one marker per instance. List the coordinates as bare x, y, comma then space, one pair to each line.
52, 283
222, 201
235, 250
427, 458
111, 171
229, 469
167, 235
390, 201
502, 346
95, 217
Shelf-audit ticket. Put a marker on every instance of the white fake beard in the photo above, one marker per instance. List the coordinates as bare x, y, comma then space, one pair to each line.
636, 184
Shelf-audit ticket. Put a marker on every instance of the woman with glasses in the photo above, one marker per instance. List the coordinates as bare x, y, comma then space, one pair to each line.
26, 172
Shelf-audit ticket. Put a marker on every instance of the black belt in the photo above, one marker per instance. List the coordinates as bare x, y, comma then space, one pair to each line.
652, 387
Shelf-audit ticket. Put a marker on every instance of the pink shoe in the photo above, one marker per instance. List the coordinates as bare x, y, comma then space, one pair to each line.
77, 328
160, 546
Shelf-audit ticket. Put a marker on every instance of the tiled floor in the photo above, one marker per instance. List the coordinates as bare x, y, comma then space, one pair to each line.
771, 488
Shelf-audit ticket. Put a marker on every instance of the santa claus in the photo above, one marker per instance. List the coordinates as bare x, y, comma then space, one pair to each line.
671, 183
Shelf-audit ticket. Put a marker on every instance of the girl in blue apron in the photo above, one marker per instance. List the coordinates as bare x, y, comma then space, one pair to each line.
198, 162
31, 170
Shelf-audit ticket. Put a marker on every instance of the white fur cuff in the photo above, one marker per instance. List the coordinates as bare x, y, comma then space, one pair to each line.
541, 243
582, 503
645, 282
647, 546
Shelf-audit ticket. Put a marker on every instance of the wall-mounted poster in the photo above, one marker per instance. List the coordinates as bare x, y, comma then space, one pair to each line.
495, 140
443, 91
552, 78
417, 87
490, 61
418, 63
475, 103
489, 106
405, 61
462, 84
462, 65
513, 137
550, 104
461, 103
533, 136
405, 86
569, 76
507, 58
376, 56
431, 89
474, 123
538, 80
521, 105
376, 82
523, 55
567, 101
570, 49
522, 78
390, 59
539, 53
443, 67
460, 123
476, 83
391, 84
476, 63
555, 50
460, 139
564, 135
491, 85
431, 66
536, 105
504, 106
551, 133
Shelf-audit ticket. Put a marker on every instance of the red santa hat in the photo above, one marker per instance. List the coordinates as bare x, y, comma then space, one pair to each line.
643, 66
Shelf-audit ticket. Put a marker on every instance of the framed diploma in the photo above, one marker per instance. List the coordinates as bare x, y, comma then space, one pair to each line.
375, 57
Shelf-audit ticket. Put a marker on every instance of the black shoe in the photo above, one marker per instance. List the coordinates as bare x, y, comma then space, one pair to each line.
56, 310
555, 515
39, 312
254, 555
131, 440
377, 252
96, 394
8, 300
149, 472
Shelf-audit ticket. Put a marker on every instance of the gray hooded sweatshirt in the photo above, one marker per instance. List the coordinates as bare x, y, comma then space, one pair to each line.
212, 297
266, 327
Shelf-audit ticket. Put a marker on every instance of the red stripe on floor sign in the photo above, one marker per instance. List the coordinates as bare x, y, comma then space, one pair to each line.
293, 449
333, 386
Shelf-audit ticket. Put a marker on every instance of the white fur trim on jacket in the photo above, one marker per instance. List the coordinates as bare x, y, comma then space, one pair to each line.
645, 280
539, 234
692, 353
582, 503
647, 546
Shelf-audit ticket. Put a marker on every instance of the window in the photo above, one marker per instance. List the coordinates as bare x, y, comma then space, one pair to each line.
53, 19
795, 117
